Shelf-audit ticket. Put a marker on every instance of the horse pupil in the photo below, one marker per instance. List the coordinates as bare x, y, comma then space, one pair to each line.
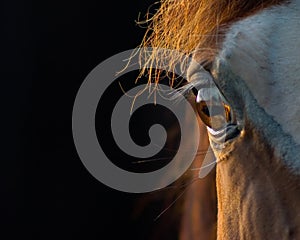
205, 110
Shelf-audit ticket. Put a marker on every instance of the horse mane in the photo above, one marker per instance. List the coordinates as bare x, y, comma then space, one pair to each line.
187, 26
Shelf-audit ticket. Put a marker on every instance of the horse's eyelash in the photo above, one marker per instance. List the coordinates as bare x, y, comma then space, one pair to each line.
185, 91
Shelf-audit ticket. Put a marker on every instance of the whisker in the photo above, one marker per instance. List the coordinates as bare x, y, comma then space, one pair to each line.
177, 198
178, 186
152, 160
203, 167
172, 150
200, 153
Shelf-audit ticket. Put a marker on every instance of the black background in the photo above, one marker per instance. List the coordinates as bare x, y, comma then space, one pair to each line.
47, 49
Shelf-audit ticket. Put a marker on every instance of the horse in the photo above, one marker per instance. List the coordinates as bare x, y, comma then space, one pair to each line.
249, 51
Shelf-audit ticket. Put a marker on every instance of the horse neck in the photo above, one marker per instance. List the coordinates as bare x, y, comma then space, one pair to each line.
258, 197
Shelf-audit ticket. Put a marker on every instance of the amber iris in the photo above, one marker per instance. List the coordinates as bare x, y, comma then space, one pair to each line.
215, 116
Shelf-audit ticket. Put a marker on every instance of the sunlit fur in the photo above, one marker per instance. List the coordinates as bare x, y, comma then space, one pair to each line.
258, 174
187, 25
258, 183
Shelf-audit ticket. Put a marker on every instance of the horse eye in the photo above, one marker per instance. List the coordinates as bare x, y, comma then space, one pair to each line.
215, 114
